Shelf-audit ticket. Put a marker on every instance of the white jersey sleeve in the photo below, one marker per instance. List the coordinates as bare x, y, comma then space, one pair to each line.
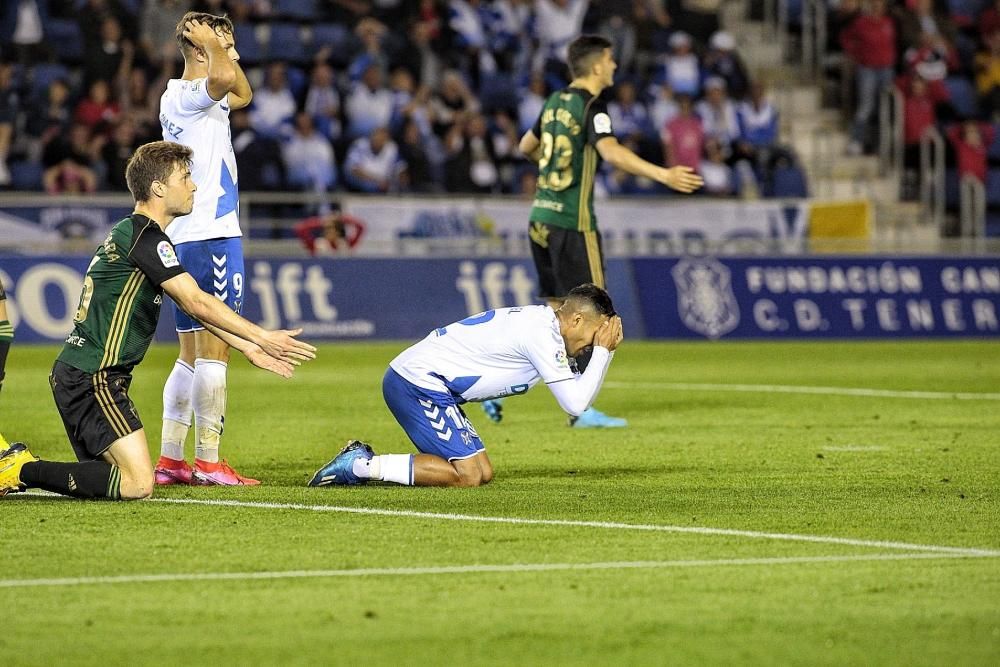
577, 393
547, 353
194, 97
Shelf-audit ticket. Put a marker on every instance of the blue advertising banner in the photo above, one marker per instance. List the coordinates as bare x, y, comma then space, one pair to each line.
805, 297
330, 299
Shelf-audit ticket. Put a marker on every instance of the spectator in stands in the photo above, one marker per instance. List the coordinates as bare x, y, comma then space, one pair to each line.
510, 34
971, 141
931, 59
403, 87
369, 105
472, 164
758, 123
718, 114
701, 18
374, 38
919, 113
530, 102
330, 234
259, 157
22, 30
987, 68
140, 105
158, 20
419, 168
723, 61
308, 156
870, 43
430, 37
504, 138
453, 100
557, 23
323, 102
273, 104
106, 56
720, 180
616, 22
680, 68
117, 152
989, 21
684, 136
9, 105
663, 107
97, 111
919, 21
629, 115
47, 119
373, 163
70, 163
472, 46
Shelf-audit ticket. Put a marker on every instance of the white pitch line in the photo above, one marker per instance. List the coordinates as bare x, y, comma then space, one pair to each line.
796, 389
461, 569
610, 525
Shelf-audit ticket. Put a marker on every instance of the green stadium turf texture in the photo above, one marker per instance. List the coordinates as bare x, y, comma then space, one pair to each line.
904, 468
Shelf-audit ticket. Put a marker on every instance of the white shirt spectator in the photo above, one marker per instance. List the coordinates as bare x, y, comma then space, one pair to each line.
720, 121
272, 109
368, 108
556, 25
324, 102
382, 167
308, 156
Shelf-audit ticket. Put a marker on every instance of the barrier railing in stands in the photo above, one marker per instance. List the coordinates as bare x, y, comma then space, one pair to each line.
972, 207
932, 177
814, 36
890, 125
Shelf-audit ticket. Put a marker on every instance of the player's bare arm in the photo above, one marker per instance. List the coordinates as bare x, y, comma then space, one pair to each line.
221, 67
207, 309
241, 94
530, 146
682, 179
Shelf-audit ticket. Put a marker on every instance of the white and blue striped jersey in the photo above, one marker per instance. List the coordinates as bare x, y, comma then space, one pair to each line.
189, 116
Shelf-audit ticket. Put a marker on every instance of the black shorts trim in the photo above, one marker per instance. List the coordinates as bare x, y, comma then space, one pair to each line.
95, 408
565, 258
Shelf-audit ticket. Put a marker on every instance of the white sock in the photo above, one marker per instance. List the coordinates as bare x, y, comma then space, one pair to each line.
176, 410
209, 397
396, 468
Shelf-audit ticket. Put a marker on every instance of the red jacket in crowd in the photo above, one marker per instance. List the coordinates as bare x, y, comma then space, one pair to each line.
971, 155
330, 233
870, 41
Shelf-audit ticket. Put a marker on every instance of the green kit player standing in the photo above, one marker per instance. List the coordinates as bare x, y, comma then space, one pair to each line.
114, 326
572, 135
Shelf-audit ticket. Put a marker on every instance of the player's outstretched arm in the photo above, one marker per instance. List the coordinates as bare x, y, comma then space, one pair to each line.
682, 179
208, 310
255, 355
221, 68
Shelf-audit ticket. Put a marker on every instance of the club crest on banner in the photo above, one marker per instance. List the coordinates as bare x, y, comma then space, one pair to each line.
705, 299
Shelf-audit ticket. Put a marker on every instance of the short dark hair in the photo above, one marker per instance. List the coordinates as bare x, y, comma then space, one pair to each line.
583, 51
590, 295
217, 23
154, 162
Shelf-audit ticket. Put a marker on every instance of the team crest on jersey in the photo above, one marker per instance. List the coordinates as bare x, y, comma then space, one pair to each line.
705, 299
602, 123
167, 255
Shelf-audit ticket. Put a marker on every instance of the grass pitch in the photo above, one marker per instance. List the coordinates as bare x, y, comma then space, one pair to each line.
624, 558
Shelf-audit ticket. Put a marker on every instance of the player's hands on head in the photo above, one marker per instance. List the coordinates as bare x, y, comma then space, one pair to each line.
201, 34
682, 179
609, 335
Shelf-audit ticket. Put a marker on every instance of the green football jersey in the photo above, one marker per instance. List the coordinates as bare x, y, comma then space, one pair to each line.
569, 127
120, 302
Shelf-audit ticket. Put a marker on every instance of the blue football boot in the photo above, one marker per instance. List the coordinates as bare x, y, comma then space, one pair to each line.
594, 418
493, 409
341, 469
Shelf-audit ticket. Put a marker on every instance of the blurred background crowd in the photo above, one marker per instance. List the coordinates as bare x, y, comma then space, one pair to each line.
431, 96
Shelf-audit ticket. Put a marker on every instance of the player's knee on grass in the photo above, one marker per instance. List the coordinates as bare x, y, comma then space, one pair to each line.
468, 472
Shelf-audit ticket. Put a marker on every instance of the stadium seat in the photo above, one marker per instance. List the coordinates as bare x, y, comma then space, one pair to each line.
251, 51
343, 44
66, 39
995, 146
43, 75
963, 96
287, 43
993, 187
297, 81
497, 91
26, 175
302, 10
788, 182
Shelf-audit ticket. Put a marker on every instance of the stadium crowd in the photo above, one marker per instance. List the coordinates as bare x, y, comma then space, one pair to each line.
944, 58
381, 95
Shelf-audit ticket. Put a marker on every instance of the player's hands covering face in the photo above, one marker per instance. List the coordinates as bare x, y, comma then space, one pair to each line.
609, 335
